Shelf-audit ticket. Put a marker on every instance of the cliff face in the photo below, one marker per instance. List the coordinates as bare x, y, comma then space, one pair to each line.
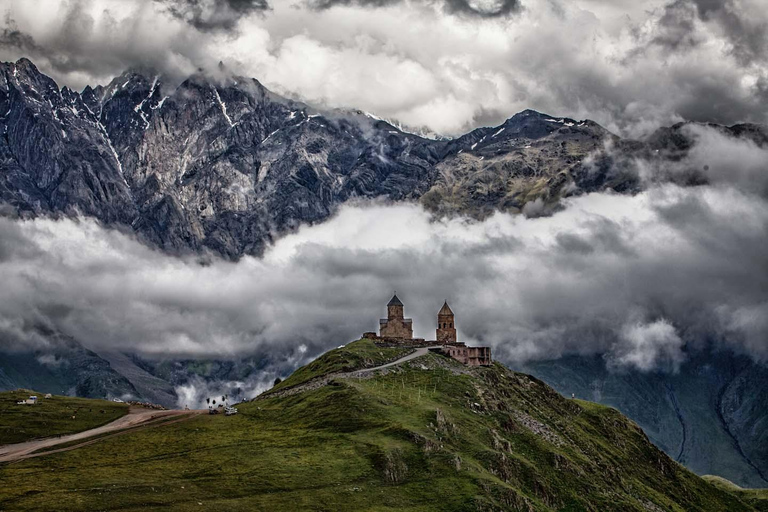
226, 166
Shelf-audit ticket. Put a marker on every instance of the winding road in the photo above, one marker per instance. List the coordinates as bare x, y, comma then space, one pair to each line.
413, 355
136, 418
139, 418
325, 379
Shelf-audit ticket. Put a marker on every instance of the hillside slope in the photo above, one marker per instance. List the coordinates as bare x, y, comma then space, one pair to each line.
429, 434
58, 415
710, 416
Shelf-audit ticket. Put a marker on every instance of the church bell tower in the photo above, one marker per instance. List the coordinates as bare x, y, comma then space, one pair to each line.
446, 328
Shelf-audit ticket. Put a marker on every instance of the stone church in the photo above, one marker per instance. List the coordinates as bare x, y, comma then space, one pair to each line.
395, 325
398, 330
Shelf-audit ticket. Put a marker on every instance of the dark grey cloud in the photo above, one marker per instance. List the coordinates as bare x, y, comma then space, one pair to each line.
681, 30
747, 31
482, 9
85, 47
209, 15
677, 26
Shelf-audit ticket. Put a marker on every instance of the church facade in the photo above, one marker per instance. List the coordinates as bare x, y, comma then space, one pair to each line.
396, 325
398, 330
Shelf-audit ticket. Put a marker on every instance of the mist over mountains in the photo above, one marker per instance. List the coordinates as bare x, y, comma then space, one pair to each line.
169, 243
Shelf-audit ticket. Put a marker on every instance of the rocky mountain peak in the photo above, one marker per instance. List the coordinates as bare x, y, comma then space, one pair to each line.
221, 163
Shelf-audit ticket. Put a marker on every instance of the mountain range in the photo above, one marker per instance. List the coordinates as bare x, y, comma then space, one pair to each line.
223, 166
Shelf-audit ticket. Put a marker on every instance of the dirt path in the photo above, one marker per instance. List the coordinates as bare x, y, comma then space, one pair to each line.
136, 418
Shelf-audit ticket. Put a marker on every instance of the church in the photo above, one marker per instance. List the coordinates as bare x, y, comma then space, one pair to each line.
398, 330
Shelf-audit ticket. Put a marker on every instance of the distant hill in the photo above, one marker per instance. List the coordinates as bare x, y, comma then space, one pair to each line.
430, 434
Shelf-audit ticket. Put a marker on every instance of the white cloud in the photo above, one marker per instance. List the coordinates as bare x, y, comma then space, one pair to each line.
609, 274
648, 346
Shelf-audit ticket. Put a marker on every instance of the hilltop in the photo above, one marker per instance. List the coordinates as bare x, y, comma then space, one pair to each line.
427, 434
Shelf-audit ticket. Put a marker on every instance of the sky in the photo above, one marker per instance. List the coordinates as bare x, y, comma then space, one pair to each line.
444, 65
640, 279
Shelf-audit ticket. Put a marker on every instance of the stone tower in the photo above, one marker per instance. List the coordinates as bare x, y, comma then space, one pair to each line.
395, 309
395, 325
446, 329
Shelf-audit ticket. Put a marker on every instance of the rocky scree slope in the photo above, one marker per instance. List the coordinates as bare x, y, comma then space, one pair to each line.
227, 166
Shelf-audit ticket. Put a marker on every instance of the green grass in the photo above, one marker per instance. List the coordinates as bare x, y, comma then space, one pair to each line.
59, 415
77, 442
413, 439
357, 354
758, 498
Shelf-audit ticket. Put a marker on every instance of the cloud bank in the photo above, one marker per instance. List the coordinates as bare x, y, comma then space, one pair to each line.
641, 280
448, 65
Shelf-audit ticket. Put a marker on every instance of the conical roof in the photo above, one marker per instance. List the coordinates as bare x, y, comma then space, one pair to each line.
395, 301
445, 310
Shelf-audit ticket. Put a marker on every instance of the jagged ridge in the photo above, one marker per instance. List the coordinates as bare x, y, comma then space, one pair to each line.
227, 166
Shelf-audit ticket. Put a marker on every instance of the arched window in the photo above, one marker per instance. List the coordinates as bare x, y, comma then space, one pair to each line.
451, 326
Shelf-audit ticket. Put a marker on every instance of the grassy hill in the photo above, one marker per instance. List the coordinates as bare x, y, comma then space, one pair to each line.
360, 354
430, 434
58, 415
758, 498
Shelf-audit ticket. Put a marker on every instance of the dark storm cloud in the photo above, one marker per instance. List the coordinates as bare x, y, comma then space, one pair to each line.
489, 9
676, 27
12, 38
213, 14
744, 33
747, 33
447, 65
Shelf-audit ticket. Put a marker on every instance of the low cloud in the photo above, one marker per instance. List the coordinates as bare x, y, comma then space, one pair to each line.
648, 346
641, 279
196, 391
207, 15
479, 8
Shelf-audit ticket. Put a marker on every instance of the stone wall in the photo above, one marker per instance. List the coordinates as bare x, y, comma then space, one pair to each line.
446, 334
401, 342
396, 328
